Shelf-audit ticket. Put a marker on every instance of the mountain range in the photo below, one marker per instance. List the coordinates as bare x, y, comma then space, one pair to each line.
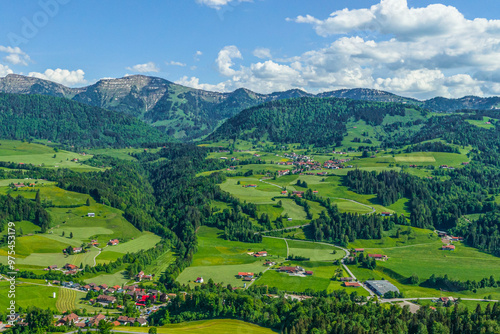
189, 114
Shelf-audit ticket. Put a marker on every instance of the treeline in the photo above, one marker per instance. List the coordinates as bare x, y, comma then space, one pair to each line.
444, 282
19, 208
483, 233
310, 121
71, 123
336, 313
435, 146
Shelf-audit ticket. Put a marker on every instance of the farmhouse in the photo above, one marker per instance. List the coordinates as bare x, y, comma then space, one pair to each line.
68, 319
386, 214
457, 238
448, 247
352, 284
378, 256
113, 242
381, 287
247, 279
94, 321
244, 274
291, 270
308, 273
199, 280
90, 214
284, 192
69, 266
359, 250
260, 254
269, 263
250, 186
53, 267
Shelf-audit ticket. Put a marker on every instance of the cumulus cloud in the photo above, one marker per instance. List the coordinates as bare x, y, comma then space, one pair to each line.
175, 63
144, 68
4, 70
64, 77
262, 53
197, 55
194, 82
15, 55
420, 52
225, 59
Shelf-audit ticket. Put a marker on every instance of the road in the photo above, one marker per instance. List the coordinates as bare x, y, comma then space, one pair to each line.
100, 250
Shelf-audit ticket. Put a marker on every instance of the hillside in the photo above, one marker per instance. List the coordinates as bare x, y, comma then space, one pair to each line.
71, 123
189, 114
317, 121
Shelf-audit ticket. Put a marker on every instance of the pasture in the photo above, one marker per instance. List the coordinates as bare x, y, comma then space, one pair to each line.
42, 155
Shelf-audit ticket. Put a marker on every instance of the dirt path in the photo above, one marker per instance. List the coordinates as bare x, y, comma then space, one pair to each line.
100, 251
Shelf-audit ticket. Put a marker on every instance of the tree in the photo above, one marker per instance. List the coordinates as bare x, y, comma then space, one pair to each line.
62, 234
88, 202
37, 197
104, 327
71, 235
152, 330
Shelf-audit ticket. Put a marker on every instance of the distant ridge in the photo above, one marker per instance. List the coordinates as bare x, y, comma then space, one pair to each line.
189, 114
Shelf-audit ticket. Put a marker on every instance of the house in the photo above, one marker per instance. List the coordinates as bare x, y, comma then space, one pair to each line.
457, 238
291, 270
269, 263
347, 279
245, 274
113, 242
69, 266
115, 323
94, 321
465, 163
103, 286
309, 273
90, 214
442, 234
105, 299
315, 191
68, 319
77, 249
359, 250
298, 193
259, 254
53, 267
378, 256
85, 288
19, 185
56, 282
141, 321
448, 247
124, 320
251, 186
284, 192
352, 284
386, 214
247, 279
199, 280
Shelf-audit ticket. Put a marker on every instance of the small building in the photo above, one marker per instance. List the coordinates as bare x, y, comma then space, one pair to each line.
260, 254
105, 299
68, 320
457, 238
69, 266
94, 321
347, 279
308, 273
448, 247
359, 250
53, 267
90, 214
380, 257
199, 280
352, 284
247, 279
386, 214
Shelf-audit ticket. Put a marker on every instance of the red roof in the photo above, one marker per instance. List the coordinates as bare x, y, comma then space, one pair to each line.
359, 249
245, 274
352, 284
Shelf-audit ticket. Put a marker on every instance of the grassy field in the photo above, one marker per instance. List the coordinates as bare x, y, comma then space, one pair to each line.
422, 256
315, 251
219, 326
66, 300
41, 155
118, 278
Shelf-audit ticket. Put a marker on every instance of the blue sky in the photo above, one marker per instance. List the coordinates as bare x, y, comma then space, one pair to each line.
415, 48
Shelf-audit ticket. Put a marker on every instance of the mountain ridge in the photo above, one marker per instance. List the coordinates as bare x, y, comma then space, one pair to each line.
189, 114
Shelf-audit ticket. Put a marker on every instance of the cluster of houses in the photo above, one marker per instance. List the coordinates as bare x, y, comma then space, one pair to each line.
76, 250
446, 167
336, 164
448, 238
113, 242
82, 322
295, 271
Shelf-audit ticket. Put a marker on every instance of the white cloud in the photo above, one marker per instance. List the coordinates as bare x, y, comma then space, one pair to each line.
194, 82
64, 77
144, 68
218, 4
197, 55
15, 55
175, 63
225, 60
420, 52
262, 53
4, 70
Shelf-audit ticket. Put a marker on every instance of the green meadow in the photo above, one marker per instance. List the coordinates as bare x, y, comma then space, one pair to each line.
42, 155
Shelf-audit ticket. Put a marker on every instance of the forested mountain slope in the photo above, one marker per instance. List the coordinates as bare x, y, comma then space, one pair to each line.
71, 123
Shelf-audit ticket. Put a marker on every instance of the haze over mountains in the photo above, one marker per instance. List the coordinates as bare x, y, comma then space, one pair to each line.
188, 114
